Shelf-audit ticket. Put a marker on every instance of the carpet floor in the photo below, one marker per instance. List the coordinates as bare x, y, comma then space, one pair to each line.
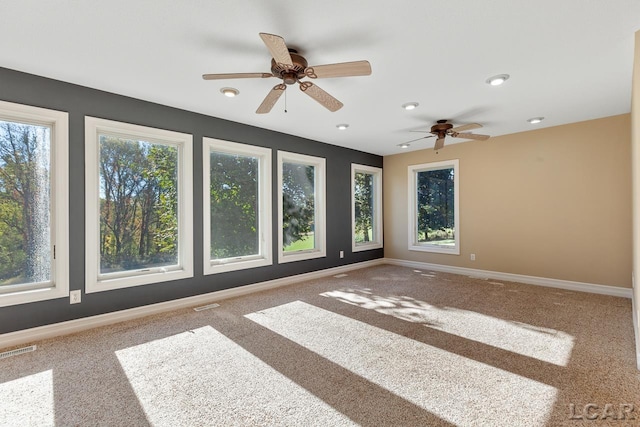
381, 346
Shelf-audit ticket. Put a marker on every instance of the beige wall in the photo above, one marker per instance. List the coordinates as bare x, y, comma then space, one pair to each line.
553, 203
635, 143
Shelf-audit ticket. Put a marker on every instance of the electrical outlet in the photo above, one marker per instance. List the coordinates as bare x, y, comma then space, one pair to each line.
473, 257
341, 254
75, 297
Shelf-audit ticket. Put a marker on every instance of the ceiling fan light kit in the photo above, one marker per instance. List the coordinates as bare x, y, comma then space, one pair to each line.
291, 67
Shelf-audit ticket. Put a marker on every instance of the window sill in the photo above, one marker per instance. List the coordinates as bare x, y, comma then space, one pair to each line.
215, 267
436, 249
366, 246
33, 295
131, 281
300, 256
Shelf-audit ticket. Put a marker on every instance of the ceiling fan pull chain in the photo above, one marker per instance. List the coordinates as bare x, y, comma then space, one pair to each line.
285, 101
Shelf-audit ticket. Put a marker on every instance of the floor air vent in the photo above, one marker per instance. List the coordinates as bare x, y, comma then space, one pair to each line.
18, 351
206, 307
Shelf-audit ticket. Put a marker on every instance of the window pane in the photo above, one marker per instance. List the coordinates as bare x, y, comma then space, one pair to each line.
25, 236
138, 204
436, 207
364, 208
235, 231
298, 207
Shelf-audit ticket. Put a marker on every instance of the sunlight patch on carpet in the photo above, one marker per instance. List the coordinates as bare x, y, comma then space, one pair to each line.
548, 345
203, 376
454, 388
28, 401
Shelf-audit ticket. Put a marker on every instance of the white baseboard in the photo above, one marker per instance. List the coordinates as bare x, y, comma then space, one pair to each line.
636, 319
63, 328
509, 277
636, 328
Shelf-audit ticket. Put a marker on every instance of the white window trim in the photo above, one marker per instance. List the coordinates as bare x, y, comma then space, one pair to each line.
264, 258
184, 143
414, 245
320, 231
377, 207
59, 123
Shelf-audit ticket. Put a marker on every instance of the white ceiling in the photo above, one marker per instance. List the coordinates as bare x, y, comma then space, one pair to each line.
569, 60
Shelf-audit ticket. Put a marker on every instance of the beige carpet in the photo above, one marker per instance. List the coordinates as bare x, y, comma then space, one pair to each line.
384, 346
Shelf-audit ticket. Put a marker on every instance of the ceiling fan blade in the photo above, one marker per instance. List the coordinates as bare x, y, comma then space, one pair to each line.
466, 127
271, 99
326, 100
236, 76
439, 144
344, 69
278, 49
421, 131
470, 136
418, 139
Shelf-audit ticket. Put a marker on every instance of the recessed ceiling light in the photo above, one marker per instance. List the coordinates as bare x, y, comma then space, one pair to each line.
342, 126
404, 145
535, 120
410, 105
498, 80
230, 91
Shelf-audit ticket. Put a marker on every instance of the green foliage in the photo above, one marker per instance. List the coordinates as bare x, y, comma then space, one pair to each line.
12, 254
298, 202
442, 234
436, 200
138, 204
303, 244
163, 184
234, 205
363, 195
24, 203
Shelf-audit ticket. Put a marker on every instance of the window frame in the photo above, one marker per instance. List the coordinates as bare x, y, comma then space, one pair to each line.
183, 143
320, 206
377, 208
264, 155
413, 171
58, 121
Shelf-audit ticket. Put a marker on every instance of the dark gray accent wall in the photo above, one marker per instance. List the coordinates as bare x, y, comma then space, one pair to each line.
79, 102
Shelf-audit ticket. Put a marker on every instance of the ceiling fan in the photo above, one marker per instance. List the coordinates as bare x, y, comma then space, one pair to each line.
442, 129
291, 67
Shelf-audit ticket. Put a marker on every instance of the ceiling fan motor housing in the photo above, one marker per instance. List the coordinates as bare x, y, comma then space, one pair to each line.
288, 74
441, 128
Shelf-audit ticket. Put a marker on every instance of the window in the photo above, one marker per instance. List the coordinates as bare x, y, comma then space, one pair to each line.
139, 196
301, 207
434, 221
34, 233
366, 197
237, 206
